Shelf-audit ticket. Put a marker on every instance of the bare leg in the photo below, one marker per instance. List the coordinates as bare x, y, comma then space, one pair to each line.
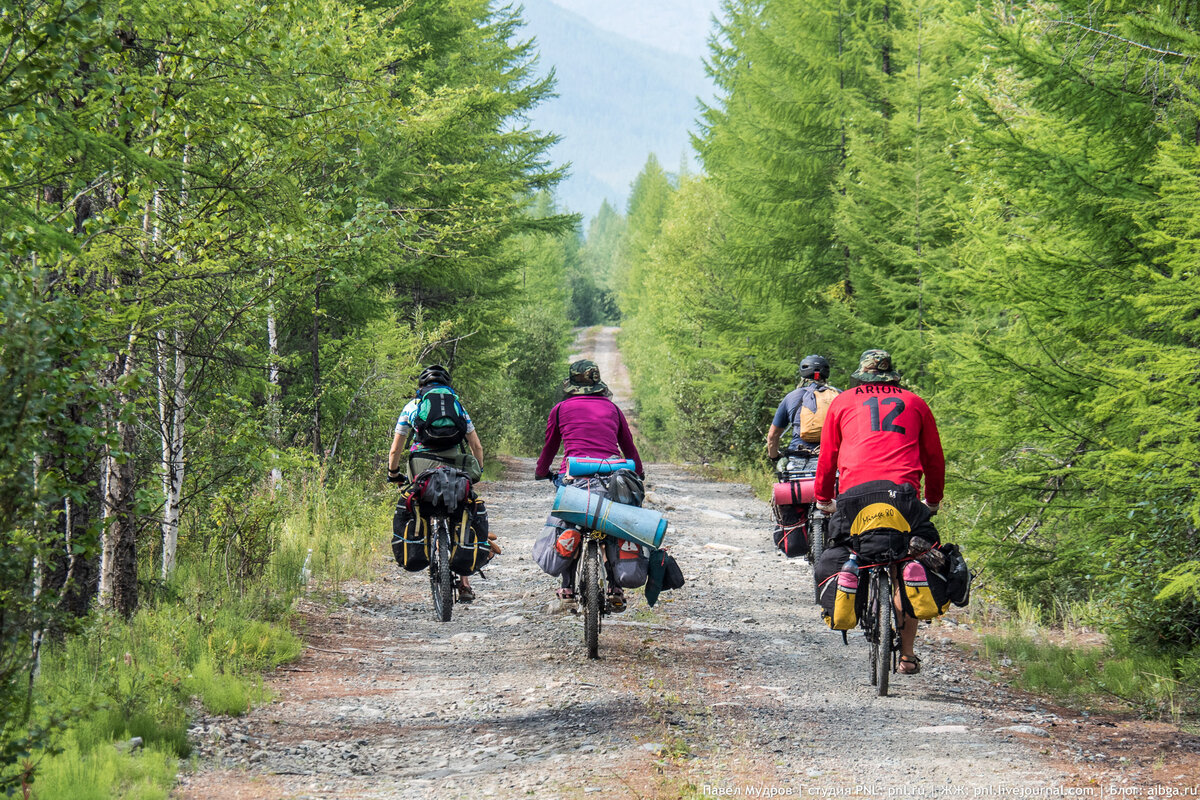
908, 625
907, 635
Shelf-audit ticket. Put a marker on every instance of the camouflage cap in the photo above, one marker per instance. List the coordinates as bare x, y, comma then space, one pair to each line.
584, 378
875, 366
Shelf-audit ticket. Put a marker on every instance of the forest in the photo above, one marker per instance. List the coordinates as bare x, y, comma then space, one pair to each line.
233, 234
1002, 197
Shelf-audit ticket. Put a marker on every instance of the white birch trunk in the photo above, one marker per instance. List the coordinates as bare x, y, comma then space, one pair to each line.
173, 460
173, 416
118, 527
273, 387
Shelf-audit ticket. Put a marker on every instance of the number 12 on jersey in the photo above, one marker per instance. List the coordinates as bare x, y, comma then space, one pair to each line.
888, 422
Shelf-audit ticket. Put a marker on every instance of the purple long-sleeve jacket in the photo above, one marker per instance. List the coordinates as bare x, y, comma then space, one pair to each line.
587, 426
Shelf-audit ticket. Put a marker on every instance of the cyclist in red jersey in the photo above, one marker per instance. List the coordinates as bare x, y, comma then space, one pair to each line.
878, 437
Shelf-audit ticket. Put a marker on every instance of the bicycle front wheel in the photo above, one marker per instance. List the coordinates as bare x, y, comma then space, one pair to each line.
593, 598
441, 581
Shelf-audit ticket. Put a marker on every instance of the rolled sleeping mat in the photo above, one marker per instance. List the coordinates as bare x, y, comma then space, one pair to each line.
582, 467
795, 493
590, 510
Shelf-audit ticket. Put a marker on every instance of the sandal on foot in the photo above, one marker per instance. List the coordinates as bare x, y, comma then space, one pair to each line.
616, 602
465, 595
565, 594
909, 665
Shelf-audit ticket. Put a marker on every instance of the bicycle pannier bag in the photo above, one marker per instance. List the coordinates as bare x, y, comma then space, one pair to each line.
630, 562
556, 549
469, 552
839, 597
958, 576
664, 575
919, 591
791, 531
410, 539
845, 598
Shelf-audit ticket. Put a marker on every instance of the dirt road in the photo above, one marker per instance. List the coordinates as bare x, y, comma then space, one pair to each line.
730, 684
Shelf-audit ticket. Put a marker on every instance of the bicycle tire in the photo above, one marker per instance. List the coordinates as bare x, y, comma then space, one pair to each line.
593, 598
870, 625
883, 647
441, 581
816, 546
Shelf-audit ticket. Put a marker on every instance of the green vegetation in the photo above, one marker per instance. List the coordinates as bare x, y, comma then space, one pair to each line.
1003, 197
232, 236
1078, 670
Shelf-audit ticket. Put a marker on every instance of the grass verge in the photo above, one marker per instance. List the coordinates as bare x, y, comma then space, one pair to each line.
201, 640
1085, 670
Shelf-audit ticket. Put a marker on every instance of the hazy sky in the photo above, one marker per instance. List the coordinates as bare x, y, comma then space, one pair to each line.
677, 26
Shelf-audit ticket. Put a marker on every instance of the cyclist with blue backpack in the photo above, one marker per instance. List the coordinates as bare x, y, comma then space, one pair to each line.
438, 426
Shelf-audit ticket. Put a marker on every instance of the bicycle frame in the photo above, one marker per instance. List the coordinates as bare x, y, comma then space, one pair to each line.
881, 628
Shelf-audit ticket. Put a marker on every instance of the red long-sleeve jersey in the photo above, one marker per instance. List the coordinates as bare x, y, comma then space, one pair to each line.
880, 432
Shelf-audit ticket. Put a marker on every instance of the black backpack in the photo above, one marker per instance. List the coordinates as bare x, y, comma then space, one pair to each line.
438, 421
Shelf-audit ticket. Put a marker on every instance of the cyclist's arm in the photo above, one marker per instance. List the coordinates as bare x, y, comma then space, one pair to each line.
475, 446
779, 424
397, 449
774, 433
933, 460
550, 448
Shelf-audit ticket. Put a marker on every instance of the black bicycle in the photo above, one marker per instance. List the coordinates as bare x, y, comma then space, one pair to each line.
880, 622
591, 589
443, 492
801, 469
441, 579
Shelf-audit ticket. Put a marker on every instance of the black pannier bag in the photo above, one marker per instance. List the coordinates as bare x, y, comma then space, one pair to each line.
664, 575
958, 576
791, 531
410, 538
630, 562
470, 549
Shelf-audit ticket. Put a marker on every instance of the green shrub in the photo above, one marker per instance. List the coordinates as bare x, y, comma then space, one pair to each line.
102, 772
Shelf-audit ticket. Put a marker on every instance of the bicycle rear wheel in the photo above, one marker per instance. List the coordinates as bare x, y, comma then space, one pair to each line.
881, 648
593, 598
441, 581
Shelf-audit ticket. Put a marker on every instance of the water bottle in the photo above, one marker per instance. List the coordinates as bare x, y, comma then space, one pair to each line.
845, 616
305, 572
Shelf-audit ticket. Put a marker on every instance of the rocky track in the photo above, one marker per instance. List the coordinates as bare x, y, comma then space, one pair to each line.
731, 685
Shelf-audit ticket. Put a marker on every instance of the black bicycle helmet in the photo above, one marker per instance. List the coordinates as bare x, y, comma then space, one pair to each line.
815, 367
434, 373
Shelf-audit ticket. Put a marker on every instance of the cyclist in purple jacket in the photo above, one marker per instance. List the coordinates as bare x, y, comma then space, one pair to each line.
587, 424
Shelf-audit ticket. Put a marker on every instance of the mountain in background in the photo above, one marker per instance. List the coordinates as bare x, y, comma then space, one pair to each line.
618, 101
677, 26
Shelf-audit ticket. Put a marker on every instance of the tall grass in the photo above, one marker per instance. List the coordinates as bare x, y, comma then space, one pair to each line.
205, 637
1073, 665
344, 527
